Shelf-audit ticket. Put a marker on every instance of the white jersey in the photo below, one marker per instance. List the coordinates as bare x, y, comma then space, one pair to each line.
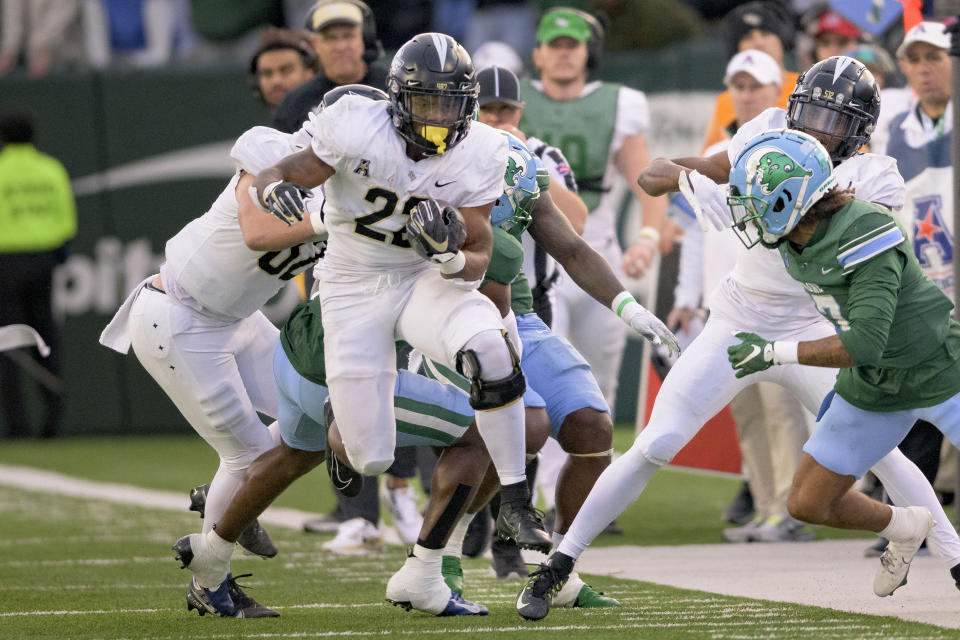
376, 184
759, 277
209, 267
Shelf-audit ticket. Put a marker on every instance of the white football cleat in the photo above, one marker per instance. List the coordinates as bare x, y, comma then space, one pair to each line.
402, 505
355, 536
895, 560
416, 586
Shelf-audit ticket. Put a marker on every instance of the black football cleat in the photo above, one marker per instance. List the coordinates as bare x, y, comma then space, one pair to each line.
246, 606
544, 583
344, 479
523, 525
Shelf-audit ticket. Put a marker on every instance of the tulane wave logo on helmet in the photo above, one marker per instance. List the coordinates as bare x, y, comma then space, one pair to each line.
776, 167
520, 190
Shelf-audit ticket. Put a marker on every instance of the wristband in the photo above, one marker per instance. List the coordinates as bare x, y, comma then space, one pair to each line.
255, 196
454, 264
651, 233
786, 351
623, 299
316, 221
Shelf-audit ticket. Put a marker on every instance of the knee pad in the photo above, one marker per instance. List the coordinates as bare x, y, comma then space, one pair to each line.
373, 467
659, 448
491, 394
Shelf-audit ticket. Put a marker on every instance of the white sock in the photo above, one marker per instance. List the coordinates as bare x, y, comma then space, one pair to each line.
899, 526
503, 433
555, 540
906, 485
431, 558
454, 545
617, 488
211, 560
222, 488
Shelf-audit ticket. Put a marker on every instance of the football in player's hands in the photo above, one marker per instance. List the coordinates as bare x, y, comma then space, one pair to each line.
285, 200
436, 230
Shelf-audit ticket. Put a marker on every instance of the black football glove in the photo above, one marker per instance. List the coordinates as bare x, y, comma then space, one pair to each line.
285, 200
436, 231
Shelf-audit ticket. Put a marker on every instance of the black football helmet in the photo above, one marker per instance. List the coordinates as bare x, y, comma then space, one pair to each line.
433, 92
837, 101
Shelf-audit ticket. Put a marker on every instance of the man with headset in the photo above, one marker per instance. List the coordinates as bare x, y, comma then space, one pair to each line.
599, 127
344, 35
284, 60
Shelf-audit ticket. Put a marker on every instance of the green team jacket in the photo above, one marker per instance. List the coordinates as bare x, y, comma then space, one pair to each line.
862, 275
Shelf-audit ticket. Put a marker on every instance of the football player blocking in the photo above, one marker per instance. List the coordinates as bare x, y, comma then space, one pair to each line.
758, 296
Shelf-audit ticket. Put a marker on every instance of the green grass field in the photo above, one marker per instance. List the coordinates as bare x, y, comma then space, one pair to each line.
76, 568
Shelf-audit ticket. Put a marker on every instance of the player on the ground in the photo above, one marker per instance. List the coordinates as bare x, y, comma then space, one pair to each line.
756, 296
197, 329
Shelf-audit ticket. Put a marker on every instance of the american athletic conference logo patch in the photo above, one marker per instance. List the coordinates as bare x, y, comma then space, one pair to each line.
932, 242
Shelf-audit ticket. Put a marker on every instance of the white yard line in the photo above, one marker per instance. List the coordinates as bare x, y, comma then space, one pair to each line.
832, 573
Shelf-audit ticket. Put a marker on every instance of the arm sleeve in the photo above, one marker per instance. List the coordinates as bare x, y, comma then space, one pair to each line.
874, 286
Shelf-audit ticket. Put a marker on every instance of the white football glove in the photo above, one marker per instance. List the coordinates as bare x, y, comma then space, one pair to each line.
645, 323
707, 199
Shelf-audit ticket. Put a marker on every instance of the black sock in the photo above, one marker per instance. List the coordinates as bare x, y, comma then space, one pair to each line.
516, 494
563, 563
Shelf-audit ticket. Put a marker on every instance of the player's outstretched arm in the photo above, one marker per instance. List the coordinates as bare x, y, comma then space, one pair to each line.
266, 233
663, 175
551, 229
754, 353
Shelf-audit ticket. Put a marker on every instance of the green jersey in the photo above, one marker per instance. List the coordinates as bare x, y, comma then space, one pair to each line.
302, 341
582, 129
862, 275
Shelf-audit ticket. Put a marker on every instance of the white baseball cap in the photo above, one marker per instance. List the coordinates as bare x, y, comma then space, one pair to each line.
930, 32
758, 64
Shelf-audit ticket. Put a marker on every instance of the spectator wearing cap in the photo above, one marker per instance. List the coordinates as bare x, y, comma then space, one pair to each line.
344, 37
919, 139
501, 107
600, 127
766, 26
284, 60
770, 422
832, 35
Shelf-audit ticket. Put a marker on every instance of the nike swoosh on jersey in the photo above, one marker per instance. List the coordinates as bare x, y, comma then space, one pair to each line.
436, 183
753, 354
826, 271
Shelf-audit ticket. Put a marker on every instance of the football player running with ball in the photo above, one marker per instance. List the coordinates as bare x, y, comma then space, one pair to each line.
409, 187
758, 296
